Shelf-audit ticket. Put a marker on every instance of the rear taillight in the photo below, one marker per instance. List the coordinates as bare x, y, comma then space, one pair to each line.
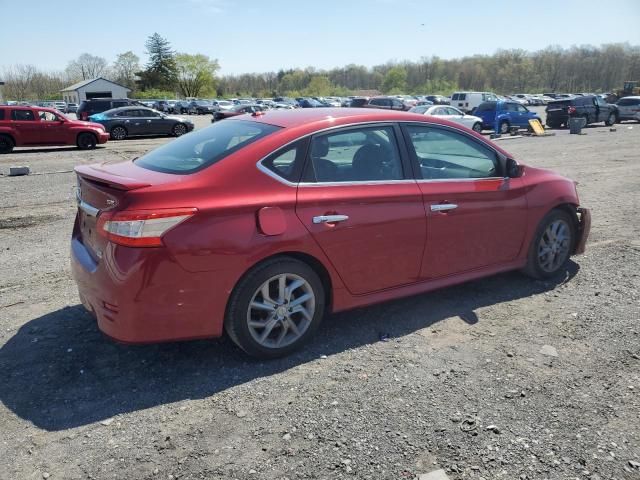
141, 228
571, 110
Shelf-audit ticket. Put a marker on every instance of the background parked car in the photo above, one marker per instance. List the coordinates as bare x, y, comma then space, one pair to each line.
469, 101
437, 99
308, 102
390, 103
72, 108
22, 126
358, 102
222, 104
592, 108
236, 110
98, 105
183, 107
452, 114
161, 105
503, 115
137, 120
629, 108
202, 107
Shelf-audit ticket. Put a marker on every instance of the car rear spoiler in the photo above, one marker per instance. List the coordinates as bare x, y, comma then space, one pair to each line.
100, 175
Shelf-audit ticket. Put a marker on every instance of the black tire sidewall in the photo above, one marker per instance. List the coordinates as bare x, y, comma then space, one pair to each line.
9, 144
235, 321
90, 143
533, 268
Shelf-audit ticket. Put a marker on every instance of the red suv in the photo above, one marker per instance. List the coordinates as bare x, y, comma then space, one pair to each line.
37, 126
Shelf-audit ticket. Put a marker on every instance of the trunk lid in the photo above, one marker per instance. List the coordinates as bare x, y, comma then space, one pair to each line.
104, 187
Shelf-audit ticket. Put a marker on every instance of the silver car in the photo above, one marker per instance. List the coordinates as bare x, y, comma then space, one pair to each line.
452, 114
629, 108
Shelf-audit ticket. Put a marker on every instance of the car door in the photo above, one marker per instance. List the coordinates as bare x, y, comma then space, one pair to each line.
53, 130
475, 217
523, 116
360, 204
135, 121
603, 109
155, 124
27, 126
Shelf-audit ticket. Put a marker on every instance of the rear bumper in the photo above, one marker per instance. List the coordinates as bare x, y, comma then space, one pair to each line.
584, 228
142, 295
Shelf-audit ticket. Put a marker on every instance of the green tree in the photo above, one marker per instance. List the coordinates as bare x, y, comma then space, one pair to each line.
125, 68
395, 80
195, 74
319, 86
161, 68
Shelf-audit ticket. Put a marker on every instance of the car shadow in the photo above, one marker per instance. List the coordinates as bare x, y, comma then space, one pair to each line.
21, 150
59, 371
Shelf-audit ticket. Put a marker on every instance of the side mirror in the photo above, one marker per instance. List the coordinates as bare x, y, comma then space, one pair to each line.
513, 170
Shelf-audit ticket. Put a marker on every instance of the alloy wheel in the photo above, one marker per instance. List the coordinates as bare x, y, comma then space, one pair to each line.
119, 133
553, 248
179, 130
281, 310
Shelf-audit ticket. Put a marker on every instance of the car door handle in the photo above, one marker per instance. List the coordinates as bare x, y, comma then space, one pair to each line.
330, 218
443, 207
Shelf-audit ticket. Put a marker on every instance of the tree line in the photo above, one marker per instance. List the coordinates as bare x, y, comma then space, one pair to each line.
168, 74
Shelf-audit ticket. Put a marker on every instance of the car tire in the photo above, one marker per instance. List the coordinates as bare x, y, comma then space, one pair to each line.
611, 119
477, 127
552, 245
118, 133
259, 318
86, 141
179, 129
6, 144
503, 127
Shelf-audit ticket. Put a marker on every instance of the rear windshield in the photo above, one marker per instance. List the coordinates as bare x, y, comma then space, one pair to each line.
200, 149
486, 107
624, 102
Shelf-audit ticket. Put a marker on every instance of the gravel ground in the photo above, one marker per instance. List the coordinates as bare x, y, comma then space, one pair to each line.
502, 378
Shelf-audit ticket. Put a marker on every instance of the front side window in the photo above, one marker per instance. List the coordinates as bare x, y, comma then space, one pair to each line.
522, 109
197, 150
355, 155
23, 115
444, 154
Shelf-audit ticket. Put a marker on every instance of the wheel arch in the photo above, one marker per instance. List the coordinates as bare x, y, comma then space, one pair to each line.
316, 265
82, 132
9, 136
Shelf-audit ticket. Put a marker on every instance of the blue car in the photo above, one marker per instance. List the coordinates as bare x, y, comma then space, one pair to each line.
502, 115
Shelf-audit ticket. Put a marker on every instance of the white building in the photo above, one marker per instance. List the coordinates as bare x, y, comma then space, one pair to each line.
94, 88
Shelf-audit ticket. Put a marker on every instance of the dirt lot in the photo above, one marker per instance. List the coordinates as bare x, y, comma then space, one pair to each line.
503, 378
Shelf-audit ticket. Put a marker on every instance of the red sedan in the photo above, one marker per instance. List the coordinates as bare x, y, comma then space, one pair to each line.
22, 126
260, 224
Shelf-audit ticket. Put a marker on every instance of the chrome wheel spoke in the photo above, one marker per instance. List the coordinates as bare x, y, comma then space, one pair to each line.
265, 305
268, 328
282, 288
303, 311
293, 287
291, 325
300, 300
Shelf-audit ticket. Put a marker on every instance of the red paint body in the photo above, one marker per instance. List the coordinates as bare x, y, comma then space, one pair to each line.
38, 132
391, 246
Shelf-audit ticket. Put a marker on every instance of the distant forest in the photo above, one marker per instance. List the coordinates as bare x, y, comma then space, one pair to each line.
582, 68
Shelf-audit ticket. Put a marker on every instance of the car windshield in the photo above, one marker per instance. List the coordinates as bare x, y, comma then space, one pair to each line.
486, 107
198, 150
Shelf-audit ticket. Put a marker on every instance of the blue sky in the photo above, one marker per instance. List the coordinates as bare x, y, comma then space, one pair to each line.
263, 35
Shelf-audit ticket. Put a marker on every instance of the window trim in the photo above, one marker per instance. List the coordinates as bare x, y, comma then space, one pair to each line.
500, 158
409, 163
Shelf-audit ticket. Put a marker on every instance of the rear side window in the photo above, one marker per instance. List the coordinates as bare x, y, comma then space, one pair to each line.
23, 115
287, 163
98, 106
119, 104
459, 96
195, 151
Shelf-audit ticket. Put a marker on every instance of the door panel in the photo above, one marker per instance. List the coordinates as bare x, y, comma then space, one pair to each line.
486, 228
380, 244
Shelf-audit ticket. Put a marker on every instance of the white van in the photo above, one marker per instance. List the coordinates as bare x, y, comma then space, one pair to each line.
469, 101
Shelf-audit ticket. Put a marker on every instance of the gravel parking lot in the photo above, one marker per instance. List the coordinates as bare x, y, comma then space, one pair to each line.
501, 378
